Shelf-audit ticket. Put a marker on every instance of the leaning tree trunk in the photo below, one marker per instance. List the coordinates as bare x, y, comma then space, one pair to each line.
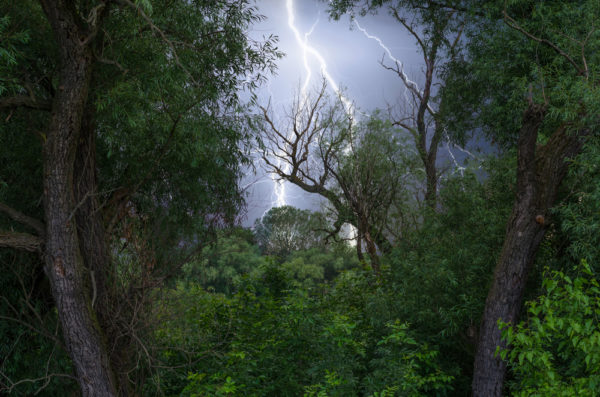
359, 253
431, 172
431, 178
63, 261
90, 226
93, 245
539, 175
363, 227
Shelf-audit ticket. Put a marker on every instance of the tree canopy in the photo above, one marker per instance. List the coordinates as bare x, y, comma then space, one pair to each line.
126, 126
133, 109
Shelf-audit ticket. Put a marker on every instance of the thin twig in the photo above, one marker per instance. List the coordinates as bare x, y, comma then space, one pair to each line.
510, 22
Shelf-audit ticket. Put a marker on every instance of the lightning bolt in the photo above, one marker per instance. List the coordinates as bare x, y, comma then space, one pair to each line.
307, 49
408, 83
304, 52
278, 197
414, 87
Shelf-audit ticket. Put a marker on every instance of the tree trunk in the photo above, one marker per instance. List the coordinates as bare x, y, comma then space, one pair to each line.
430, 167
538, 178
359, 253
64, 264
363, 225
372, 251
90, 225
431, 179
93, 246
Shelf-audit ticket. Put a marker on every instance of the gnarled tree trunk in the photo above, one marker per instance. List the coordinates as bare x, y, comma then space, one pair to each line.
64, 264
539, 174
93, 245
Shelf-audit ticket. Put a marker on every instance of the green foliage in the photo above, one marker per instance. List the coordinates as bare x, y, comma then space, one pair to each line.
310, 268
380, 176
488, 87
556, 351
269, 341
221, 264
9, 42
273, 346
440, 273
224, 264
169, 122
408, 367
175, 127
171, 135
578, 215
194, 326
170, 131
282, 230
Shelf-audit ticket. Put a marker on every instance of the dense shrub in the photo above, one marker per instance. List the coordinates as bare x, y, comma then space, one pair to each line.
556, 351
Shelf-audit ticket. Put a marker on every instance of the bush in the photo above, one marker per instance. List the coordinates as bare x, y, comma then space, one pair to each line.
556, 351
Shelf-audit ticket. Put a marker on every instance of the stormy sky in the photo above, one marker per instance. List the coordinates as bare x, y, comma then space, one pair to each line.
353, 62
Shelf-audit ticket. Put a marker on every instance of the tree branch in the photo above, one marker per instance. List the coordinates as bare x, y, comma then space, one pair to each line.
26, 102
20, 241
159, 32
450, 6
510, 22
23, 219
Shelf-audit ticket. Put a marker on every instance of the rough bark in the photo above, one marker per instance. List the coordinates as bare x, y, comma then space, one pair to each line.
431, 171
64, 264
359, 253
431, 179
93, 246
20, 241
428, 156
90, 226
25, 101
539, 174
372, 250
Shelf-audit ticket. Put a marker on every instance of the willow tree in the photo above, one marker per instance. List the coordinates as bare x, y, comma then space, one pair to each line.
437, 32
283, 230
132, 107
530, 81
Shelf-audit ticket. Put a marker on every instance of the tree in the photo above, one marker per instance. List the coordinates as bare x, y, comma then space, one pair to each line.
437, 32
221, 264
177, 72
530, 73
360, 168
531, 86
282, 230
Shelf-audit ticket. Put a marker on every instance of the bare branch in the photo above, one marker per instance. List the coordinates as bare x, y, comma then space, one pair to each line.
457, 39
111, 62
46, 378
20, 241
23, 219
26, 102
411, 31
583, 44
399, 70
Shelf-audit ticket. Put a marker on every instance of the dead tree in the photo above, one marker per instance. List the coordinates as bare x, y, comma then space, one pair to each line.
320, 147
